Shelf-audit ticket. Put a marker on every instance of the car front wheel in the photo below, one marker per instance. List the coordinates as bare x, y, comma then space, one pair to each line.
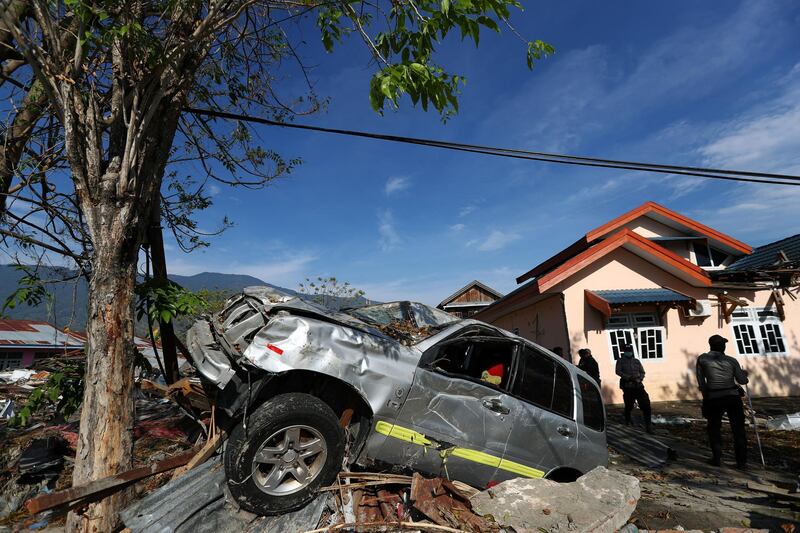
292, 446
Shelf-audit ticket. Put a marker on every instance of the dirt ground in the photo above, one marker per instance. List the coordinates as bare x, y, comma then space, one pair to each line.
689, 493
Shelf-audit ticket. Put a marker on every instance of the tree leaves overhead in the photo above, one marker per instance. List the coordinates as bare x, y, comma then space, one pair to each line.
405, 45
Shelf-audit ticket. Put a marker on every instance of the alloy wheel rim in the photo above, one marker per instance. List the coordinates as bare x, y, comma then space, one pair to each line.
289, 460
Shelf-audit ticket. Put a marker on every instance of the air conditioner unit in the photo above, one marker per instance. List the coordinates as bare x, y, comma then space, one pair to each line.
701, 308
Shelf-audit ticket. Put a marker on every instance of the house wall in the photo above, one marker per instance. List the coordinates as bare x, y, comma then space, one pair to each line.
672, 377
474, 294
543, 322
28, 354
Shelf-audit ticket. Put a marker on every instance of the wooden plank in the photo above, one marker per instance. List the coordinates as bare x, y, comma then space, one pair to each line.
203, 455
106, 485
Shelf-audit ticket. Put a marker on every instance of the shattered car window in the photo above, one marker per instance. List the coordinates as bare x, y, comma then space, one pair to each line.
430, 316
406, 322
382, 314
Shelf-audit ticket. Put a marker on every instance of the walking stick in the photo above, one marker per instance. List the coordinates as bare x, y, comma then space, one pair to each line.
755, 426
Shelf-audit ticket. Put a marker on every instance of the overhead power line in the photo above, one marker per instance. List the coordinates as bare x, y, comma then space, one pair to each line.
547, 157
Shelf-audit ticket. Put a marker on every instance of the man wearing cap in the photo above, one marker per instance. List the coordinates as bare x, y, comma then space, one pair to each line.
631, 381
717, 377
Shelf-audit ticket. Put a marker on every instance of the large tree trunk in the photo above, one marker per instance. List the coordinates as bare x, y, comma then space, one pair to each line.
105, 444
117, 211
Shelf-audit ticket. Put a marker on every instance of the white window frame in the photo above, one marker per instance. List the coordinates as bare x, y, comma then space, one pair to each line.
662, 331
611, 344
628, 322
713, 266
755, 318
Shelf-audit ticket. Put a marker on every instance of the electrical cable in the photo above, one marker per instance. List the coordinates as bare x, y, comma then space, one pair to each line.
565, 159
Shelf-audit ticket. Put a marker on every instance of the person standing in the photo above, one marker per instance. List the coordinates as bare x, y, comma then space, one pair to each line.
631, 381
718, 376
588, 364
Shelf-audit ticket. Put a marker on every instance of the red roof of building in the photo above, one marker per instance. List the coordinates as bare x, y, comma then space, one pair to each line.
624, 238
16, 333
651, 209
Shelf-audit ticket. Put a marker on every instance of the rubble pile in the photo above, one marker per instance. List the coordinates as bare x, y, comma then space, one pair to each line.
15, 387
406, 502
405, 331
37, 459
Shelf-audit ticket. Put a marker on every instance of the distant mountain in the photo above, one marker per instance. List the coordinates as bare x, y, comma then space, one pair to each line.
69, 299
214, 281
68, 306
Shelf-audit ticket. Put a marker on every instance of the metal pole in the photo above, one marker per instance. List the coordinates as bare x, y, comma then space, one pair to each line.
755, 426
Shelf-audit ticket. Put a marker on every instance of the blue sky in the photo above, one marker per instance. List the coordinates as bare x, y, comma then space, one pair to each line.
699, 83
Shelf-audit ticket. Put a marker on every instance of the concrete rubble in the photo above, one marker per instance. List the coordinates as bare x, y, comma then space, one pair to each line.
788, 422
601, 501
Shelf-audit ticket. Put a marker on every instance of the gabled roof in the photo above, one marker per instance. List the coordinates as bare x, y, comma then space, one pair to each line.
672, 219
786, 251
648, 209
633, 242
465, 288
668, 261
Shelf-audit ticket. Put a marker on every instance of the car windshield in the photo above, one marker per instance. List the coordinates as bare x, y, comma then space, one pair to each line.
407, 322
430, 316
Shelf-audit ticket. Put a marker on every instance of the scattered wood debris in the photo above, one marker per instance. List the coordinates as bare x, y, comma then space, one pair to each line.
405, 502
100, 488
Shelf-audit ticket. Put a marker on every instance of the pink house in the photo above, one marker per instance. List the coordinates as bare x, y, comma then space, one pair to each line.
23, 341
664, 283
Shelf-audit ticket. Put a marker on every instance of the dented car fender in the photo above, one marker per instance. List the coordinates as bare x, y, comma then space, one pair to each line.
379, 369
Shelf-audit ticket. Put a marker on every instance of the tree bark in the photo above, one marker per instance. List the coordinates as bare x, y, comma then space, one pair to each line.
107, 414
117, 220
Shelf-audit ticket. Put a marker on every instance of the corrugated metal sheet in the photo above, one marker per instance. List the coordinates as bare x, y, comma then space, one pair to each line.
641, 296
169, 507
196, 503
767, 255
17, 333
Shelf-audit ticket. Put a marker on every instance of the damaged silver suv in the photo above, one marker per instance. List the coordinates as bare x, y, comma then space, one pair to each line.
398, 386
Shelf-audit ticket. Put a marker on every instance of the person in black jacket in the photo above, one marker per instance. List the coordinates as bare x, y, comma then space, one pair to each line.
717, 376
631, 381
588, 364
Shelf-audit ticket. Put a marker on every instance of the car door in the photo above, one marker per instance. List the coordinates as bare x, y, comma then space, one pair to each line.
457, 417
545, 436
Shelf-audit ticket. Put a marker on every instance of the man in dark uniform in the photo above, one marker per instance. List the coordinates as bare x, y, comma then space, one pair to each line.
631, 381
588, 364
717, 377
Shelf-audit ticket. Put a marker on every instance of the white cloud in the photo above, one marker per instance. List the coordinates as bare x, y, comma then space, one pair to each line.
457, 227
396, 184
466, 210
496, 240
591, 93
765, 138
756, 214
389, 238
214, 189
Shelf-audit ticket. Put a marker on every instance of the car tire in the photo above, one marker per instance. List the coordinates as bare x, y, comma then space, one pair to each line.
292, 446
